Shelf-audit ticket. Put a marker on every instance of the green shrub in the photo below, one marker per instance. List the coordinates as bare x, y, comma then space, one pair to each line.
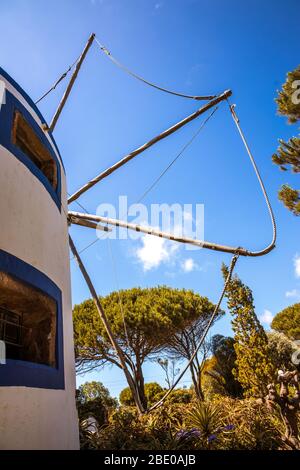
224, 423
153, 391
254, 426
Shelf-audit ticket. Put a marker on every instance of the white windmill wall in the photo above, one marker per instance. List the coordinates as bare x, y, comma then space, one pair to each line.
34, 230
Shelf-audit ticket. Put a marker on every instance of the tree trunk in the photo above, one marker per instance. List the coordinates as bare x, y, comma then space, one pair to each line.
196, 382
140, 383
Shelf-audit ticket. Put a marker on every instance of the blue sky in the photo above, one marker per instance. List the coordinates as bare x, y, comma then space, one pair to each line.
195, 46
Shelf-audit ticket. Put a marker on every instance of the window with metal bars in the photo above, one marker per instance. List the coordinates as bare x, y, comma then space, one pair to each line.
27, 322
11, 332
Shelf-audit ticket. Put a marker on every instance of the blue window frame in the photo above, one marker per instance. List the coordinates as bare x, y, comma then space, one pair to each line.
31, 374
31, 104
7, 114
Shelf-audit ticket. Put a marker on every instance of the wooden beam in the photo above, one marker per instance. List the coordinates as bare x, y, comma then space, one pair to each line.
88, 223
71, 83
106, 324
166, 235
149, 144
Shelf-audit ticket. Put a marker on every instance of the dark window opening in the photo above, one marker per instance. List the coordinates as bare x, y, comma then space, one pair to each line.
27, 322
24, 137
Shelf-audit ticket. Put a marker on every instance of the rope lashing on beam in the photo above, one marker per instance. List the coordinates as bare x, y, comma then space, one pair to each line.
147, 82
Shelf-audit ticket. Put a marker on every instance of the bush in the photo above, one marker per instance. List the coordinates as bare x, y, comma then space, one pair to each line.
159, 430
153, 391
179, 395
254, 426
223, 424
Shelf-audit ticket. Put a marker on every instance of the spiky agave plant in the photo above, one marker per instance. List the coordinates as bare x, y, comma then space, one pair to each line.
207, 418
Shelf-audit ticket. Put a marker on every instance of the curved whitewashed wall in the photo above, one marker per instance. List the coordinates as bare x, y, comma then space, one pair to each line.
34, 229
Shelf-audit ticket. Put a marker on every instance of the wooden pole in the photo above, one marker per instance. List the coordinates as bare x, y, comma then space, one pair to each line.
71, 83
149, 144
158, 233
106, 324
89, 224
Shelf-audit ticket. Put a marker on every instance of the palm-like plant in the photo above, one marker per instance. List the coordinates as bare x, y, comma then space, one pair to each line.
207, 418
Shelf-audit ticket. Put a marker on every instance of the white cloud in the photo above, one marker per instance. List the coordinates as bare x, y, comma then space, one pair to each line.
266, 317
295, 293
155, 251
297, 265
189, 265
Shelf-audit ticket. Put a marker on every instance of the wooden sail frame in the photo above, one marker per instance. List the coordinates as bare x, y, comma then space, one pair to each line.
93, 221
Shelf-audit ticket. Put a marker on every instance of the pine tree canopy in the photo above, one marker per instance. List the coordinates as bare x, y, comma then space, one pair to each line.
288, 322
288, 153
289, 97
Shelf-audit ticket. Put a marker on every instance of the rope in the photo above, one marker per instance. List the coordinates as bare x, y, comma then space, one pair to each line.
87, 246
57, 81
216, 309
262, 186
156, 181
158, 178
143, 80
118, 292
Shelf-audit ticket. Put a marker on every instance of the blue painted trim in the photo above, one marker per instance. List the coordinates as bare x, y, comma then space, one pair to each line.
28, 374
32, 105
7, 116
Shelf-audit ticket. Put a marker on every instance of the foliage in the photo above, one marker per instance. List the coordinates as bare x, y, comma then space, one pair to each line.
288, 153
94, 400
281, 349
218, 378
254, 370
170, 370
212, 382
153, 392
286, 105
90, 391
129, 431
143, 322
288, 322
178, 395
207, 419
290, 198
183, 343
254, 427
222, 424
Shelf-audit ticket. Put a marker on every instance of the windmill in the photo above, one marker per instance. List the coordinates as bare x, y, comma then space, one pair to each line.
37, 380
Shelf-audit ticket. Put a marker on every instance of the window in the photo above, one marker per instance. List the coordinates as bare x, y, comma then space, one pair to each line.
31, 325
27, 322
26, 139
10, 332
21, 134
